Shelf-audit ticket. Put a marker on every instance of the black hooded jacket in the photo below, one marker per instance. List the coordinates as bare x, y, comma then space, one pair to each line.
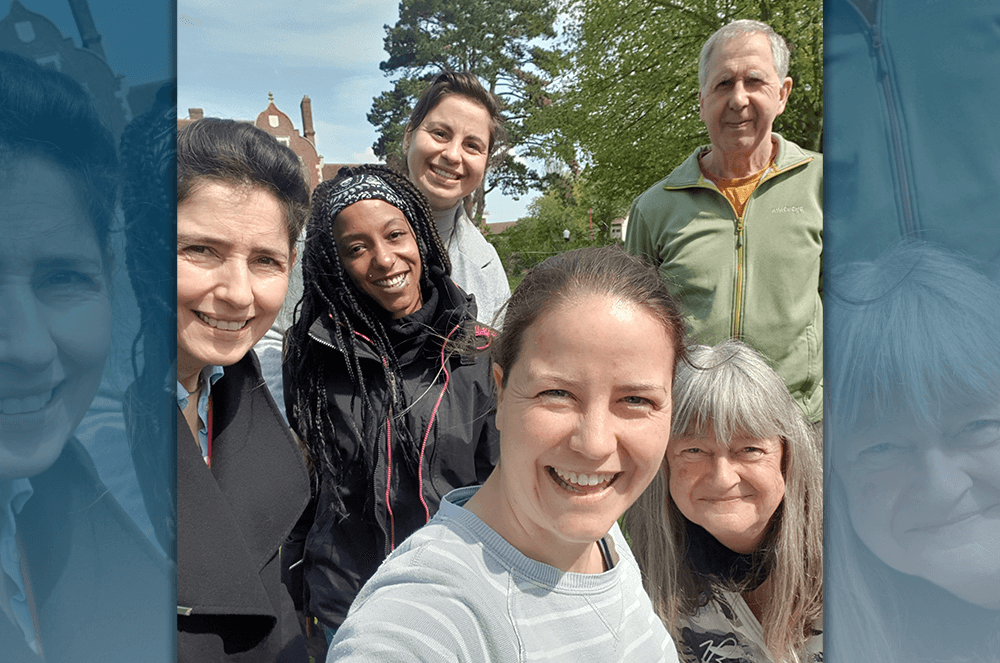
448, 425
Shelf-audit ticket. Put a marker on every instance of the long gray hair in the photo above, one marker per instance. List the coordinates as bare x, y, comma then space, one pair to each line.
915, 331
731, 389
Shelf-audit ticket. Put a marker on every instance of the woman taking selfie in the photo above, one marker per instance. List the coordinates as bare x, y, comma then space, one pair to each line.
241, 479
391, 416
453, 134
531, 565
729, 536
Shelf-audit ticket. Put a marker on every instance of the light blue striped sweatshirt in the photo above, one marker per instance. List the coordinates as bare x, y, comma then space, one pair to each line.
456, 591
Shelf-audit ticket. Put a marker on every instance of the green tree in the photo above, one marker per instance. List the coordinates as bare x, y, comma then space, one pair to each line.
498, 40
627, 102
567, 204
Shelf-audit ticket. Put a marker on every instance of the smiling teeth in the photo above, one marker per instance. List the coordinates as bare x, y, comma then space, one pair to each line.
222, 324
394, 282
444, 174
23, 405
583, 479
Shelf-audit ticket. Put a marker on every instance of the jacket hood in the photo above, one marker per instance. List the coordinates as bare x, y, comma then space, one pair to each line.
417, 335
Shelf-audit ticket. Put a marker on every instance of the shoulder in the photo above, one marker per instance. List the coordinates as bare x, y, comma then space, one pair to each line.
687, 173
791, 155
436, 598
472, 254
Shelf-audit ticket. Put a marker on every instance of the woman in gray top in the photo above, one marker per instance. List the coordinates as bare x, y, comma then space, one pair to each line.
454, 132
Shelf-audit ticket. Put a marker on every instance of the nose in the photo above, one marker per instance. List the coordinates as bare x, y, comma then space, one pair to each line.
943, 476
595, 438
235, 285
724, 473
738, 98
452, 151
384, 257
25, 339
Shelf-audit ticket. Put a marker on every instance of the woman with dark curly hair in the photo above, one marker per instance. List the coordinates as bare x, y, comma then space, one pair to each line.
392, 415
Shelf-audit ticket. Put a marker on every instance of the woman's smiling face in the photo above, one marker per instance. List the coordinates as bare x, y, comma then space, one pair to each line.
379, 253
57, 314
584, 420
447, 153
925, 498
233, 263
732, 491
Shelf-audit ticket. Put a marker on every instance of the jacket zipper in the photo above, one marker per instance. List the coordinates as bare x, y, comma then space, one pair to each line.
740, 276
907, 215
908, 218
739, 285
30, 595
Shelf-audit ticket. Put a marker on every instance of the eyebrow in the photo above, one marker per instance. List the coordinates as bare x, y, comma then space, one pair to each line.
631, 387
70, 259
445, 125
396, 218
216, 242
642, 387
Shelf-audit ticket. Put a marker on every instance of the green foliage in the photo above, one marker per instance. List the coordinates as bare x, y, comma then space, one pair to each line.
565, 205
627, 102
498, 40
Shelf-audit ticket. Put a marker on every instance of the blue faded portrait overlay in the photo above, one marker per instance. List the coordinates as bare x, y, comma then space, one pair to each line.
912, 304
86, 331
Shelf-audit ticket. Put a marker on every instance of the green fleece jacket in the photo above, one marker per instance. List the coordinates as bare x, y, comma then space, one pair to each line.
757, 278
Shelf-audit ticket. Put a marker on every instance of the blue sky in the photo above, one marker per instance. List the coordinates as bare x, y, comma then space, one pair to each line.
231, 54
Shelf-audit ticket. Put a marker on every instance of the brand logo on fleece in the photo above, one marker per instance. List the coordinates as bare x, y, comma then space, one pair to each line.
783, 210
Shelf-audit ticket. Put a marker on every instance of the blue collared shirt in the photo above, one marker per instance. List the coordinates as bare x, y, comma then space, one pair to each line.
13, 495
208, 377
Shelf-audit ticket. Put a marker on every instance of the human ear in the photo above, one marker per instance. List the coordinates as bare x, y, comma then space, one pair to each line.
783, 94
407, 133
498, 382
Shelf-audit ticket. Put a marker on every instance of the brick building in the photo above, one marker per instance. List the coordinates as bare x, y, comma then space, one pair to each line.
35, 37
277, 123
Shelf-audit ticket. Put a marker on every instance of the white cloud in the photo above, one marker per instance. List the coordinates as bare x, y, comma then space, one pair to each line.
345, 34
368, 156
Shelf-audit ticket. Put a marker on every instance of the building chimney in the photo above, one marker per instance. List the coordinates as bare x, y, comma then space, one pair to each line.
307, 120
196, 113
89, 35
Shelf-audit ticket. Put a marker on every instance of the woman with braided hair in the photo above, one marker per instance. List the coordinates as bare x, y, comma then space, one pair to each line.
392, 415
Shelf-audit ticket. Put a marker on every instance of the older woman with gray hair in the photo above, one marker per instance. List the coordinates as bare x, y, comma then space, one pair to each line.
729, 535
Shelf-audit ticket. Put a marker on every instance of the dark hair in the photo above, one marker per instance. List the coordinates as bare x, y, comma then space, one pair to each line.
241, 154
330, 295
464, 84
149, 159
605, 270
148, 152
48, 115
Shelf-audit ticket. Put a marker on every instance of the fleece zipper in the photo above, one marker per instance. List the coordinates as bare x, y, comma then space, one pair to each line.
739, 228
907, 202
